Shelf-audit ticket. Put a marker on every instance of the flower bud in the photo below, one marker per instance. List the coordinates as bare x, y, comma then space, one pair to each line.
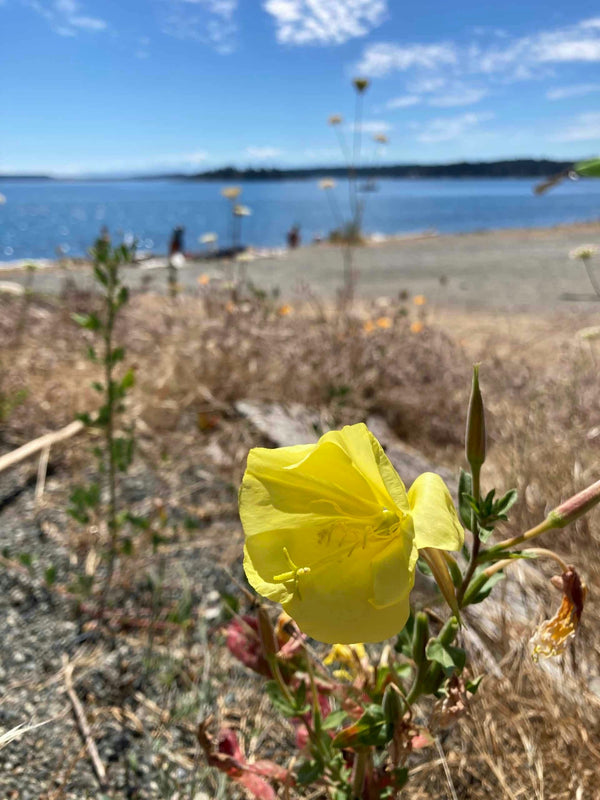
392, 704
475, 436
575, 506
420, 637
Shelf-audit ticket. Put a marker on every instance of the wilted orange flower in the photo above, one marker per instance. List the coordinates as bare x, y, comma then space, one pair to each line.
384, 322
552, 636
368, 326
419, 300
204, 280
284, 310
417, 327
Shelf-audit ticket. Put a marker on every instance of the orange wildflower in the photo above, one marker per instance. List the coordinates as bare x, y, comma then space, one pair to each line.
384, 322
204, 280
417, 327
284, 310
368, 326
419, 300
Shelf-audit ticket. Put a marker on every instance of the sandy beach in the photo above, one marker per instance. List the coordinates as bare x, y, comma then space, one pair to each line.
517, 270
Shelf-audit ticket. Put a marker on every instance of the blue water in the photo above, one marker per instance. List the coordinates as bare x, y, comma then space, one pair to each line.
39, 217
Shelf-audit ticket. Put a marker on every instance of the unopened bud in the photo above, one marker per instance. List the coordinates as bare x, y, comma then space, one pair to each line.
420, 637
575, 506
392, 704
475, 436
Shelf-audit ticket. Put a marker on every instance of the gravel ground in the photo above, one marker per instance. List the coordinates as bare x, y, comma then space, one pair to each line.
125, 688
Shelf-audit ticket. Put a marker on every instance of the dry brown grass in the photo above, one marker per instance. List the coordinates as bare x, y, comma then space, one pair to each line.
197, 356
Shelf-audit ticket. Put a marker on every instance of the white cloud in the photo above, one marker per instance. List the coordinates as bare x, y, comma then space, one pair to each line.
404, 101
375, 126
518, 58
443, 129
577, 90
65, 17
262, 153
585, 127
383, 58
208, 21
303, 22
461, 96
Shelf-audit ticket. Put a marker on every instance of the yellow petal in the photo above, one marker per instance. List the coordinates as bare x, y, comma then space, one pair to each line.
434, 517
337, 603
394, 571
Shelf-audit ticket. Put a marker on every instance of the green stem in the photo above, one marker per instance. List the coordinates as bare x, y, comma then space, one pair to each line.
476, 470
109, 430
546, 525
358, 778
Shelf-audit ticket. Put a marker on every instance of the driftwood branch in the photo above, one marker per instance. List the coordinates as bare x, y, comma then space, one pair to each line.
84, 728
40, 444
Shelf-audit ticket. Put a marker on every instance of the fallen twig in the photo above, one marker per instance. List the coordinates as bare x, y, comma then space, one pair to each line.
84, 728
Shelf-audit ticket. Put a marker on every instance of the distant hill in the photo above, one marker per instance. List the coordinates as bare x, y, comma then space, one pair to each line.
514, 168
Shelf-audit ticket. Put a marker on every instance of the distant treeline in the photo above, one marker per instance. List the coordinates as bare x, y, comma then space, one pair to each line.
518, 168
515, 168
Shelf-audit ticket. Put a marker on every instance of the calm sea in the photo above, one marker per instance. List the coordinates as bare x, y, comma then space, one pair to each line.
37, 218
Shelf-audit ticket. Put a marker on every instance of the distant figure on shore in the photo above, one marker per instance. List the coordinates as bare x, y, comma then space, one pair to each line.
176, 259
293, 237
176, 245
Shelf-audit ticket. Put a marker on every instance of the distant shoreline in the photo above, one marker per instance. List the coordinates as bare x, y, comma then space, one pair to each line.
508, 168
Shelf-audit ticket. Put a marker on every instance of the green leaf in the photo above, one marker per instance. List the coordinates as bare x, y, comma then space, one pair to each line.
370, 729
450, 658
50, 575
298, 708
405, 637
98, 386
588, 169
123, 296
473, 686
465, 489
309, 772
128, 379
91, 354
480, 589
100, 275
26, 560
90, 322
335, 719
118, 354
506, 502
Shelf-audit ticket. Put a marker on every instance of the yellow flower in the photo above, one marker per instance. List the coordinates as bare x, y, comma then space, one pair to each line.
383, 322
204, 280
368, 326
332, 534
416, 327
284, 310
231, 192
419, 300
326, 183
353, 659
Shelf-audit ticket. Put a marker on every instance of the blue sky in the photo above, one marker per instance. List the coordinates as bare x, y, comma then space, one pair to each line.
143, 85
